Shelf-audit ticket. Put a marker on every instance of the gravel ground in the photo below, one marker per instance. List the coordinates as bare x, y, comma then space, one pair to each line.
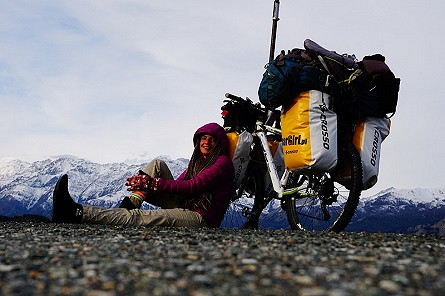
55, 259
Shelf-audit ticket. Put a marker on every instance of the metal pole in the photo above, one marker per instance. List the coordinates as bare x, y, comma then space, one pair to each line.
275, 19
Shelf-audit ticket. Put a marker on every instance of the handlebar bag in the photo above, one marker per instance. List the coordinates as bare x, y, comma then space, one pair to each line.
309, 130
368, 137
239, 152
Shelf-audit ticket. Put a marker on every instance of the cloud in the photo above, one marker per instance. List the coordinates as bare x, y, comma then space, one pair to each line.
112, 80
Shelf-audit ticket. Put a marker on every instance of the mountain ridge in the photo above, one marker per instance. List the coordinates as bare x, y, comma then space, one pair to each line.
26, 189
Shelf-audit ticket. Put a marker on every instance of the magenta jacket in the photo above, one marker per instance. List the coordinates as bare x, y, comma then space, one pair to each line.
216, 180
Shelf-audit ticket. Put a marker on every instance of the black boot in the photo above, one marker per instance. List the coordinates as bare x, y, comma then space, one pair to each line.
127, 204
65, 209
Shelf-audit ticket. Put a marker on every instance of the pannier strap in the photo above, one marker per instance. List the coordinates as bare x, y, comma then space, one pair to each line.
323, 63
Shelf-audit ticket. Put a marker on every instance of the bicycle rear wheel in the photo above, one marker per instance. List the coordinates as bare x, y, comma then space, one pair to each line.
321, 202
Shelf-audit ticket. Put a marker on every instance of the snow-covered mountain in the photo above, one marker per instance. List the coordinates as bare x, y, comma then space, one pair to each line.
417, 210
26, 188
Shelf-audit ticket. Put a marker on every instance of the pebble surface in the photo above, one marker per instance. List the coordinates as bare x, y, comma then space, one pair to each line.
98, 260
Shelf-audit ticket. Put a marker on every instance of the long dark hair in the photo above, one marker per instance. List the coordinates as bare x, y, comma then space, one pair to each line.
198, 163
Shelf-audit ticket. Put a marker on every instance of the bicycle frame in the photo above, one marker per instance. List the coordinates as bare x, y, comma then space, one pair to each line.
277, 183
313, 196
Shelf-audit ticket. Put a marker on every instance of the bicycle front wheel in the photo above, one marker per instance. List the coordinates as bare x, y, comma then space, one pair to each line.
321, 202
245, 208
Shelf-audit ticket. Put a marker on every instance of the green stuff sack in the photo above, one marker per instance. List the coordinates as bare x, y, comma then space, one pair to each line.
287, 76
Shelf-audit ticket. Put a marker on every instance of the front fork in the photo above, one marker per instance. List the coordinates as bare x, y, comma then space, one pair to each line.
277, 183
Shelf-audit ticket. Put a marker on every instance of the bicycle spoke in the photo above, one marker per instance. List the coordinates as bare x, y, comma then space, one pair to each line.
321, 204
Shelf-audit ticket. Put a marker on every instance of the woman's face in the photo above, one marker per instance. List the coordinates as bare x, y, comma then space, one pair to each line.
206, 144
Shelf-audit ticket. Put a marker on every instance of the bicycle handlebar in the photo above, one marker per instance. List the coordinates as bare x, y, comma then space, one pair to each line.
239, 99
233, 97
245, 101
270, 115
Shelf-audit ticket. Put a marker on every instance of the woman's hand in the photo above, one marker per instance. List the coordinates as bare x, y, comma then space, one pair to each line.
140, 182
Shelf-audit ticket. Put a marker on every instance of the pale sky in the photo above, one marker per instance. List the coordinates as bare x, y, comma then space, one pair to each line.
110, 81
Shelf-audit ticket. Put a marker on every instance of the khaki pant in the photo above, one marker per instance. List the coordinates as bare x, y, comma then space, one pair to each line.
170, 213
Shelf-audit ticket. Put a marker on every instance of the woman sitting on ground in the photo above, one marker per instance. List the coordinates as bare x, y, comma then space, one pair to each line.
199, 197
